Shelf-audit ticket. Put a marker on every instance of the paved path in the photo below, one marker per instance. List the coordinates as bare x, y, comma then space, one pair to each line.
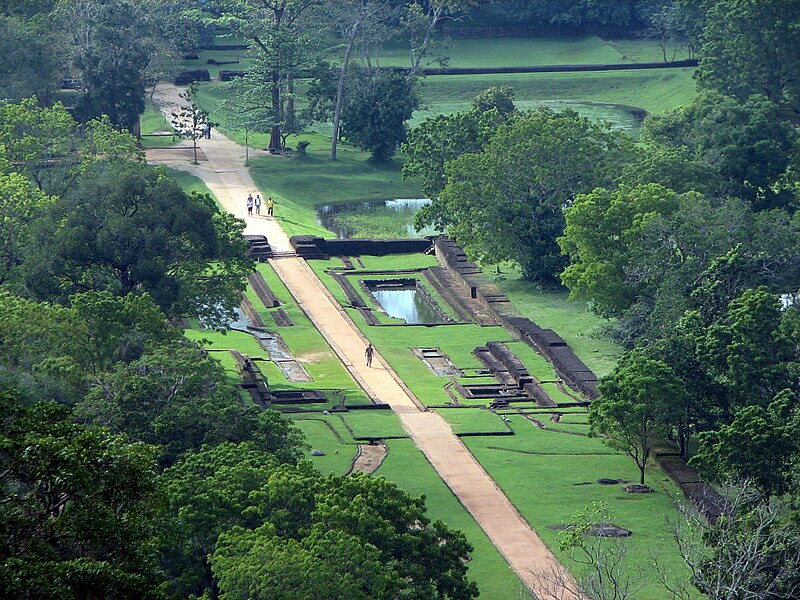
225, 175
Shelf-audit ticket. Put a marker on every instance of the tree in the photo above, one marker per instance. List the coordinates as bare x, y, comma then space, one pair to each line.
752, 47
354, 19
180, 399
751, 552
29, 67
325, 564
35, 137
698, 258
422, 20
600, 228
752, 348
506, 202
745, 142
443, 138
78, 508
284, 521
283, 34
20, 202
674, 167
46, 144
376, 110
190, 119
111, 54
128, 228
636, 407
759, 445
246, 109
706, 402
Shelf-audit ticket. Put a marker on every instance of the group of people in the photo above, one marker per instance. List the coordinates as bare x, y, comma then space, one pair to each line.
256, 203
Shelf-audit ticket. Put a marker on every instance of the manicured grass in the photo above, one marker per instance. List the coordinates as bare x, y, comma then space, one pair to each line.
398, 262
153, 121
190, 183
220, 56
339, 454
301, 184
407, 467
547, 495
646, 50
373, 424
570, 319
514, 52
474, 421
651, 90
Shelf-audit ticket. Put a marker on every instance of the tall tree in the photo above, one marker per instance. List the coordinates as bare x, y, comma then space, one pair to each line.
20, 202
190, 119
354, 20
440, 139
30, 67
375, 112
264, 524
637, 406
128, 228
600, 228
506, 203
179, 399
78, 510
752, 47
282, 34
46, 144
111, 55
745, 142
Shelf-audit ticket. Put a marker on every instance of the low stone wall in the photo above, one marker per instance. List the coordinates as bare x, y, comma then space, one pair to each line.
230, 74
309, 246
187, 77
547, 342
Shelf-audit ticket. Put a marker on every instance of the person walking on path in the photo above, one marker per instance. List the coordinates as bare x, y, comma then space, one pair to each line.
250, 204
368, 353
270, 206
258, 204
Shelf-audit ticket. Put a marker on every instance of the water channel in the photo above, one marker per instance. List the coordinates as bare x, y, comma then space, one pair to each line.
408, 304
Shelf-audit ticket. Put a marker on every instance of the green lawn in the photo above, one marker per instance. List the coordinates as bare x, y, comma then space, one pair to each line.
651, 90
547, 495
474, 421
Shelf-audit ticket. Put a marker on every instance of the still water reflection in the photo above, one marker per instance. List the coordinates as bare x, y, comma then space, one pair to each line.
409, 305
334, 217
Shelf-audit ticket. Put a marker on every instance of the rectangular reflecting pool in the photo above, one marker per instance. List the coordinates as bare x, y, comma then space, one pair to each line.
404, 301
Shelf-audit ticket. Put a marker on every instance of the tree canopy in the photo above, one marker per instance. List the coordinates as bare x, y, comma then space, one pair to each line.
506, 202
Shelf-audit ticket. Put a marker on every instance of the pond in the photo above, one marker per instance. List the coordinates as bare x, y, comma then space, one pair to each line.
409, 305
379, 219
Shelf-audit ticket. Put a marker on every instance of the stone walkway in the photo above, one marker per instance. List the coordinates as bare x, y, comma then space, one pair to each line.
225, 175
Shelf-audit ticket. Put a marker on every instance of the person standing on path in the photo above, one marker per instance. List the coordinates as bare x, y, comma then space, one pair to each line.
258, 204
250, 204
368, 353
270, 206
